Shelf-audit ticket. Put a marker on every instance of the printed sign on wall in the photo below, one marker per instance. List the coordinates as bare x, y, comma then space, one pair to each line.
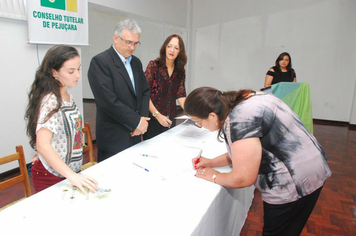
58, 22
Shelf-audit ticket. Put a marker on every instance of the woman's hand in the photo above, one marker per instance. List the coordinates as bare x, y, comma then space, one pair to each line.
80, 181
34, 158
163, 120
206, 174
202, 162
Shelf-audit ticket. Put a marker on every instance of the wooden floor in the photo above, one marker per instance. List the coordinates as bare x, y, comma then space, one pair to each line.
335, 212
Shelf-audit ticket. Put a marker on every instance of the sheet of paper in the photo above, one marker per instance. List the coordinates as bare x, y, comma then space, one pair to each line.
165, 161
182, 117
71, 193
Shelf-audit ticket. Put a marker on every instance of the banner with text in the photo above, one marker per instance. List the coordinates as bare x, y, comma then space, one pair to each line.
58, 22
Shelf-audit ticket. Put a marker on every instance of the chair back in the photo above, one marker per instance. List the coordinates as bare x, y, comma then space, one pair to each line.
88, 147
23, 178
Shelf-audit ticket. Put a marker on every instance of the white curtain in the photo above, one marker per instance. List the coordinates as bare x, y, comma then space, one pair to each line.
13, 9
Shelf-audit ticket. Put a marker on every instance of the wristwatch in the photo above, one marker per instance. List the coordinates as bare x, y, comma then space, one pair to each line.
154, 114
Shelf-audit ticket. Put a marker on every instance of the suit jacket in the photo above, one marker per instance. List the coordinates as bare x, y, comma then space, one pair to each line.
119, 109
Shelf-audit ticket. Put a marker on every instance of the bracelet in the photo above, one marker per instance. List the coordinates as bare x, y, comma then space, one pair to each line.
154, 114
214, 177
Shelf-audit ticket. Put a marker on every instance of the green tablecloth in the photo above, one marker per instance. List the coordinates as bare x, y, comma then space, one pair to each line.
297, 97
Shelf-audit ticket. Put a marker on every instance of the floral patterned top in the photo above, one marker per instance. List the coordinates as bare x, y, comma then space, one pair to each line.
66, 125
293, 163
164, 89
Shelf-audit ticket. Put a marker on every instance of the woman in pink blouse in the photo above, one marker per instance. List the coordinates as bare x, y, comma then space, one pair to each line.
166, 78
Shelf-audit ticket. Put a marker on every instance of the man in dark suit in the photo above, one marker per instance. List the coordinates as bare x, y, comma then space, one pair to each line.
121, 92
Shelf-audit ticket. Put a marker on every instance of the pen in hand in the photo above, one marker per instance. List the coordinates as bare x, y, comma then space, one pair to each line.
198, 159
169, 125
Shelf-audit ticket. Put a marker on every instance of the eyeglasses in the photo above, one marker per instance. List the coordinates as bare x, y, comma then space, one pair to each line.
198, 124
130, 43
170, 47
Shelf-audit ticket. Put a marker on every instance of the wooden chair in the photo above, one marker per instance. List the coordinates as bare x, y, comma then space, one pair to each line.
88, 148
21, 178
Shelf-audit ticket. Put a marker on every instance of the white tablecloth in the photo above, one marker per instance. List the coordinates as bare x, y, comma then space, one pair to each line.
166, 200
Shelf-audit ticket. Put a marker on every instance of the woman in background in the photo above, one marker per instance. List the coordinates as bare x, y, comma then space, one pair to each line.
54, 123
268, 146
281, 72
166, 78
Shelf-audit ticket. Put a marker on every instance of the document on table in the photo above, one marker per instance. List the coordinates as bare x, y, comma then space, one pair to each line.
165, 162
72, 193
184, 117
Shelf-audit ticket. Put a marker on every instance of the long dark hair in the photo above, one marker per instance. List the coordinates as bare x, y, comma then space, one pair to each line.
290, 69
181, 59
44, 84
202, 101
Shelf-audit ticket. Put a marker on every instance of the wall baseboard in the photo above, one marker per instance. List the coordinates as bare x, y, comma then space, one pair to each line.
13, 172
90, 100
330, 122
335, 123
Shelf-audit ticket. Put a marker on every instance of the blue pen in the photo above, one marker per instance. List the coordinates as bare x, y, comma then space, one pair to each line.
141, 167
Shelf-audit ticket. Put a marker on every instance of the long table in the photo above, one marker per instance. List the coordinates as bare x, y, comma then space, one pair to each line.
155, 195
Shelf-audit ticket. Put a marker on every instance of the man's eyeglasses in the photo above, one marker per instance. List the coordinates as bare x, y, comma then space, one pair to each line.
130, 43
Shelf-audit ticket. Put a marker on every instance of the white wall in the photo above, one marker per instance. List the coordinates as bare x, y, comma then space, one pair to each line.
168, 11
236, 41
353, 108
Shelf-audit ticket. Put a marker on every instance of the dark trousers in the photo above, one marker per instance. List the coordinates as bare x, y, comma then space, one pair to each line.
288, 219
103, 155
155, 128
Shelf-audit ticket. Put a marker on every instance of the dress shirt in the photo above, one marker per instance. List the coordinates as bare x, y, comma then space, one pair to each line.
127, 63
